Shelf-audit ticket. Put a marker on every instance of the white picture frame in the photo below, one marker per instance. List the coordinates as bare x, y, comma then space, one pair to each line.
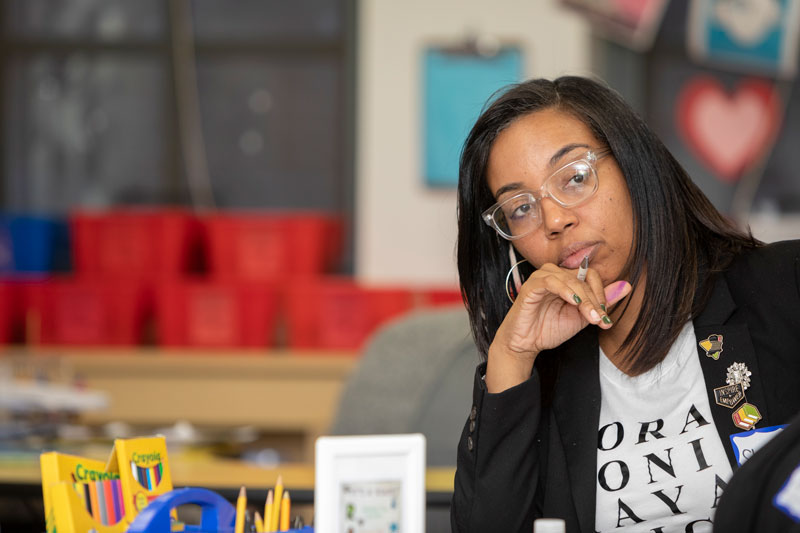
363, 481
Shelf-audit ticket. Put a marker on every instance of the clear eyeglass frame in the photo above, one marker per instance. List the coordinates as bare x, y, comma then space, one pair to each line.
494, 216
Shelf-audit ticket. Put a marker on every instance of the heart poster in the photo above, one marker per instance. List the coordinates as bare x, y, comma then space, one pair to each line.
729, 130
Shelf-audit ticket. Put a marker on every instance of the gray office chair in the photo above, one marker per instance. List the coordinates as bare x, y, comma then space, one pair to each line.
415, 376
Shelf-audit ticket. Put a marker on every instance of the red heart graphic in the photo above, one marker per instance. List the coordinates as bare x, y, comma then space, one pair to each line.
728, 132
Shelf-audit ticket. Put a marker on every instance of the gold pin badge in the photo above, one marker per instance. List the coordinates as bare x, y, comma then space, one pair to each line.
738, 373
712, 346
729, 395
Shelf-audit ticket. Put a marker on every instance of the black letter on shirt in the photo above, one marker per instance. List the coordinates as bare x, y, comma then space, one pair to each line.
644, 431
629, 514
657, 530
673, 505
653, 458
690, 525
719, 484
602, 432
698, 453
624, 472
695, 414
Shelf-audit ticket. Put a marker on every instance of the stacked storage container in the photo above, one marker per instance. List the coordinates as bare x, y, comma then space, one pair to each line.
177, 279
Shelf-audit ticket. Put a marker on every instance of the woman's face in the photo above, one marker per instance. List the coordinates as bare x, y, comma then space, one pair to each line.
530, 150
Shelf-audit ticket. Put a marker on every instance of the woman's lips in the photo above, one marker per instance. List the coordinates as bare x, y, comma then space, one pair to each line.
572, 256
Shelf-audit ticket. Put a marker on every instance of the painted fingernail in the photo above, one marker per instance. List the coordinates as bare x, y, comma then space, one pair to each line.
595, 316
603, 307
606, 319
620, 285
576, 298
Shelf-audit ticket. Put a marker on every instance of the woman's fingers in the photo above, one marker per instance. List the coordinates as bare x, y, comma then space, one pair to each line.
596, 283
570, 289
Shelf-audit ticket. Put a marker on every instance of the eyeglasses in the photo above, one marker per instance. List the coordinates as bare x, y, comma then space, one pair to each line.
570, 185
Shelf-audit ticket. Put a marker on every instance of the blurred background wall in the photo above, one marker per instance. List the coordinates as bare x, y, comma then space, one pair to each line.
405, 230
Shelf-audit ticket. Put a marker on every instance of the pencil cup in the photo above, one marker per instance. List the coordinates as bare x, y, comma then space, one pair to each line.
217, 514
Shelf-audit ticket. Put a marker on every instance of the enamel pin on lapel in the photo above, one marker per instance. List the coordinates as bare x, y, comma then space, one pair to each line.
729, 395
746, 417
712, 346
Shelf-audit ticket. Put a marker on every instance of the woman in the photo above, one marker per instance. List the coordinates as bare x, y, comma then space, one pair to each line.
609, 393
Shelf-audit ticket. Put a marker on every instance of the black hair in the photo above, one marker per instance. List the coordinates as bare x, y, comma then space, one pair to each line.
680, 238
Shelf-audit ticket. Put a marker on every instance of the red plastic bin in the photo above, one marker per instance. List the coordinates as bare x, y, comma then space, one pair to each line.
216, 314
88, 312
327, 313
271, 246
145, 243
441, 297
10, 310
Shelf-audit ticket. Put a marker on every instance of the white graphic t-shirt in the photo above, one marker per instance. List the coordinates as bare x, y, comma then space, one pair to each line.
661, 467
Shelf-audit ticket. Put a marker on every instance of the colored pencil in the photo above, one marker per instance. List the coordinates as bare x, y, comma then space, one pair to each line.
87, 497
101, 502
157, 473
93, 500
109, 495
117, 494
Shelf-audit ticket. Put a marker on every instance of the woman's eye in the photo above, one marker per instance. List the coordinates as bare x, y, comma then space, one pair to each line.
521, 211
576, 179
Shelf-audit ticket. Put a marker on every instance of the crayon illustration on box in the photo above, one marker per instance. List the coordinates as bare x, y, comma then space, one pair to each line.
143, 470
80, 495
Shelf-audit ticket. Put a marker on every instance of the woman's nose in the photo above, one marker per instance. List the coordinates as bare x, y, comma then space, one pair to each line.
556, 218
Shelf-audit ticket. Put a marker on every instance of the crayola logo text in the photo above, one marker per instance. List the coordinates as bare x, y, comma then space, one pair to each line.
146, 459
85, 474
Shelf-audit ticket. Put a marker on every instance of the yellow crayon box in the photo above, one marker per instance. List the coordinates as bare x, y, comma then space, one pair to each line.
60, 472
92, 506
143, 470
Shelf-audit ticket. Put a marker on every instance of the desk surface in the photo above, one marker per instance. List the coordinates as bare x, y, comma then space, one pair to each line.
218, 474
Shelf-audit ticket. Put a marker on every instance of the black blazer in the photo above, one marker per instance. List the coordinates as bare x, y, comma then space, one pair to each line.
531, 451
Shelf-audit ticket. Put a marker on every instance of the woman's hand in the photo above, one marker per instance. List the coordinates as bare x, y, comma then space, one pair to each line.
552, 306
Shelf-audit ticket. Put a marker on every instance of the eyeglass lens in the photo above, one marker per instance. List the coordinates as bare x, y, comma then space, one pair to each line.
521, 213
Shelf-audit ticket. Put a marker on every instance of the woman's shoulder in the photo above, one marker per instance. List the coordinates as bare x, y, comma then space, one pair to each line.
775, 265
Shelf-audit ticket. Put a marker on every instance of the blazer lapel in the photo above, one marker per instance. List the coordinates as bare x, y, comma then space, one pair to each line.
576, 405
718, 324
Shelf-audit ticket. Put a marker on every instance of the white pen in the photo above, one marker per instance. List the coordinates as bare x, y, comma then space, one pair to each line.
583, 269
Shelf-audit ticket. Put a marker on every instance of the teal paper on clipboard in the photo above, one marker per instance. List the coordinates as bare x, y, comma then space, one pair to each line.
457, 85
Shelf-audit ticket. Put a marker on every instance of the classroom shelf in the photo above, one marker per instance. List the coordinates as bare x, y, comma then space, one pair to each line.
277, 392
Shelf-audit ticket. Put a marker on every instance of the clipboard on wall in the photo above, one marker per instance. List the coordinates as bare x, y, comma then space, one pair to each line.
457, 83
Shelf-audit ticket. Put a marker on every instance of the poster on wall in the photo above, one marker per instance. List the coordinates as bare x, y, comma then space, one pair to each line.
759, 36
737, 138
729, 130
457, 83
633, 23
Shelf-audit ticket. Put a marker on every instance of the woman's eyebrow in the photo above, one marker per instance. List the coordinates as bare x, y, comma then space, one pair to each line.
506, 188
565, 150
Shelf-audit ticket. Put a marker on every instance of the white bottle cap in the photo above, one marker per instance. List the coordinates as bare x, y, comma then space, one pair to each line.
549, 525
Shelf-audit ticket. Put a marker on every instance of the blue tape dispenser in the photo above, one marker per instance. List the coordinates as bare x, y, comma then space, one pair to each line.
218, 516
